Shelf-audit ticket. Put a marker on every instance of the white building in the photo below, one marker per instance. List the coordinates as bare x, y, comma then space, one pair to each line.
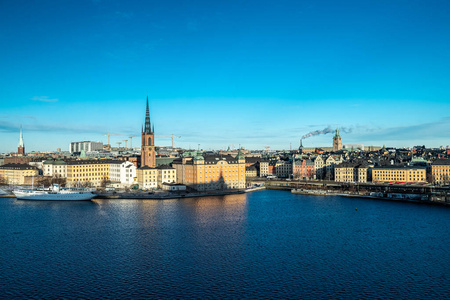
54, 168
122, 172
86, 146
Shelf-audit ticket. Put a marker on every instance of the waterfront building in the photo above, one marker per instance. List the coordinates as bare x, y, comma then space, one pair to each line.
303, 168
211, 172
351, 172
263, 168
166, 174
283, 168
86, 146
54, 168
251, 171
319, 166
330, 163
272, 167
337, 141
88, 172
399, 174
440, 171
17, 174
122, 173
147, 178
148, 153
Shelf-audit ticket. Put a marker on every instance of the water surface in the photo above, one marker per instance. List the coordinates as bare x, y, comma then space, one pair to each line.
265, 244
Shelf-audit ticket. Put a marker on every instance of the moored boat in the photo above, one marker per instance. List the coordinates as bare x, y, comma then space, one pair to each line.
55, 193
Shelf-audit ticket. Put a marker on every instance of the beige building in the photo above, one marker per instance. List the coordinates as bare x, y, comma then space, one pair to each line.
17, 174
251, 172
147, 178
166, 174
212, 172
440, 171
263, 168
330, 163
399, 174
319, 164
350, 172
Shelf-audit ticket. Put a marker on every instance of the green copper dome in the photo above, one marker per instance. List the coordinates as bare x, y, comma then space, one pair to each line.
198, 156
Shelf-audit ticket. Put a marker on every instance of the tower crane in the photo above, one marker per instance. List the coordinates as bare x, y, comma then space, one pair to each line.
108, 135
118, 143
131, 140
170, 137
125, 143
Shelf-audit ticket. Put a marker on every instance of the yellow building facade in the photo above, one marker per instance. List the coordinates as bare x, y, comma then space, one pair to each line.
440, 171
212, 172
147, 178
16, 174
399, 174
93, 172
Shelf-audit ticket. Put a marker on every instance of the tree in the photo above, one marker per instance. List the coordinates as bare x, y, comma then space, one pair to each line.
105, 182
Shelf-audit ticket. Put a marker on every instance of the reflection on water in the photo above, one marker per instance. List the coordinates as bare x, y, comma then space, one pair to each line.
264, 244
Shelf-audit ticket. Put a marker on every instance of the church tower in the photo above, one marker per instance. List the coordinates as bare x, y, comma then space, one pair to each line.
337, 141
148, 154
21, 148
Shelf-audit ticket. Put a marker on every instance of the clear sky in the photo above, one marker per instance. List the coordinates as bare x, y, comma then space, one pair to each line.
219, 73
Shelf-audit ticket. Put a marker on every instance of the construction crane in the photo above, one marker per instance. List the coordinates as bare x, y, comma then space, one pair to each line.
131, 140
170, 137
108, 135
125, 143
267, 148
118, 143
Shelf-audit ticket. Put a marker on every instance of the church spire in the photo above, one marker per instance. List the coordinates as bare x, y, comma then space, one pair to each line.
21, 137
148, 128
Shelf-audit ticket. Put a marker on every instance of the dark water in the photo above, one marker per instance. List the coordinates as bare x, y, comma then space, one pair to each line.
266, 244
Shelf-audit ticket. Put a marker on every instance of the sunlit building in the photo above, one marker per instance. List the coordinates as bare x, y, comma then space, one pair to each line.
211, 172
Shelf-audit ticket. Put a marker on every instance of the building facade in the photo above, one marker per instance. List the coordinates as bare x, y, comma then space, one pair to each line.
86, 146
263, 168
122, 173
88, 172
303, 169
399, 174
350, 172
166, 174
54, 168
147, 178
440, 171
283, 169
16, 174
212, 172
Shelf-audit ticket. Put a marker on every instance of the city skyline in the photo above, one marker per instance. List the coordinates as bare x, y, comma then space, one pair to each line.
220, 74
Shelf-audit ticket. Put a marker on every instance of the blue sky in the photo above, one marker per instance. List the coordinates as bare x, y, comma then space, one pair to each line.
219, 73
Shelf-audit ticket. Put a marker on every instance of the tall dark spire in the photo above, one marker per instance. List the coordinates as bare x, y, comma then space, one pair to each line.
148, 128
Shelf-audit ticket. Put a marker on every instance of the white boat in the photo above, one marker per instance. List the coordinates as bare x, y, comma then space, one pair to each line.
55, 193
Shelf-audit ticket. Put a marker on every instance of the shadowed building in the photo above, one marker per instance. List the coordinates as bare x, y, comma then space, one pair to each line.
148, 154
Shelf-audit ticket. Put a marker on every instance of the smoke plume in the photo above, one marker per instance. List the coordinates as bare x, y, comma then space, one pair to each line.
327, 130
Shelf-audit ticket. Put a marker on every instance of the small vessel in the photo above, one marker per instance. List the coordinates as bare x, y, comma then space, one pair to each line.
54, 193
